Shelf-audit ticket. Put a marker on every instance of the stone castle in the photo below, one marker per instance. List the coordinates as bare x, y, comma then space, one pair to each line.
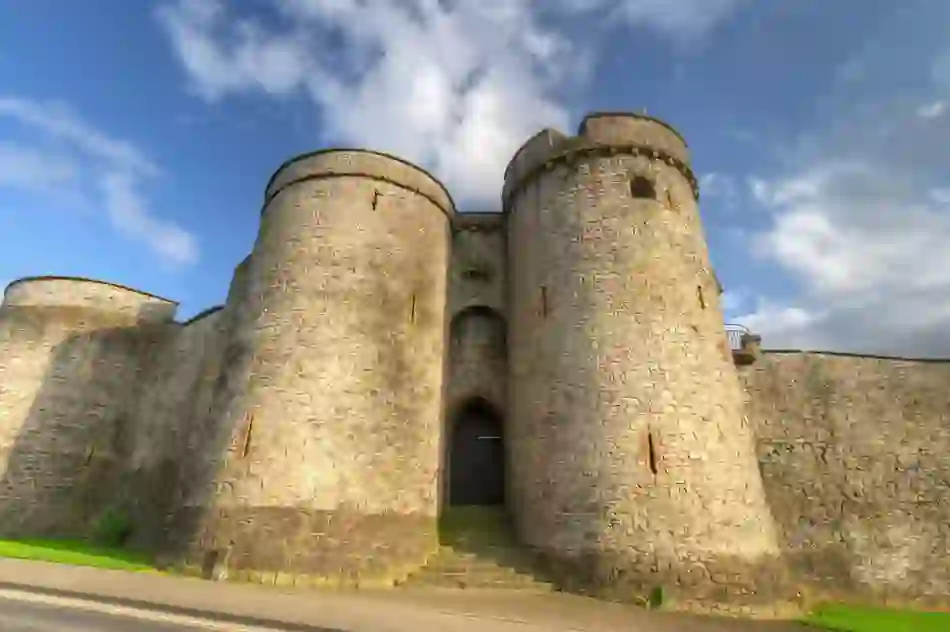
381, 357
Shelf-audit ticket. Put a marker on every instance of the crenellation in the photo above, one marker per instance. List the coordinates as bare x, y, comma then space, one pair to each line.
306, 430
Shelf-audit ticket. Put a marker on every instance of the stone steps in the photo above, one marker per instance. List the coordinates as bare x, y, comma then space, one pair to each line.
478, 551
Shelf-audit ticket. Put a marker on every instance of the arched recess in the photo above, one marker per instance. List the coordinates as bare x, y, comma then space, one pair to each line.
476, 458
478, 355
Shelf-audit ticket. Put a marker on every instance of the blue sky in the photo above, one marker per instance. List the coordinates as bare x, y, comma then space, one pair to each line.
136, 137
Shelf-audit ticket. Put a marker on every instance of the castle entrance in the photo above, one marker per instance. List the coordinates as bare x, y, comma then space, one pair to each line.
477, 456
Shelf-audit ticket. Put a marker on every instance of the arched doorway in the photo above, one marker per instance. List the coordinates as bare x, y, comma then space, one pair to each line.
477, 456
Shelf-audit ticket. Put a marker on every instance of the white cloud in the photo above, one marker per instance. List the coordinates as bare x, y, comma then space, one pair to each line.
29, 168
453, 86
681, 20
119, 166
861, 224
932, 110
722, 187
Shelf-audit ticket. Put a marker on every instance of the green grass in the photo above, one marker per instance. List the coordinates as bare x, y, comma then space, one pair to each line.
841, 618
75, 552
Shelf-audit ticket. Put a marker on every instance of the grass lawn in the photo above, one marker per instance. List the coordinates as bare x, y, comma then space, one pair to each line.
841, 618
74, 552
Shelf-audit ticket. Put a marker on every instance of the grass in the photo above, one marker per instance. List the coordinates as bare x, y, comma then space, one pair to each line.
841, 618
77, 553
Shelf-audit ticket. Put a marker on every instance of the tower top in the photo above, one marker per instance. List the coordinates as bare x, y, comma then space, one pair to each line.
600, 133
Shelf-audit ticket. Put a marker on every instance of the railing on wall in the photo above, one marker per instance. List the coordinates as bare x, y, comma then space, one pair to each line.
735, 333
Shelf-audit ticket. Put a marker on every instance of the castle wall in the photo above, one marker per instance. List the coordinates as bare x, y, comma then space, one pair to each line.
71, 352
176, 389
633, 463
478, 270
853, 451
328, 415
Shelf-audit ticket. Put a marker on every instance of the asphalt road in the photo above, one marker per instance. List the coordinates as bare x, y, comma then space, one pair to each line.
33, 616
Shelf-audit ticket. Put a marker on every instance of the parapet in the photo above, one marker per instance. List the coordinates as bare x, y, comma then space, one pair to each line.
480, 222
330, 163
78, 292
600, 133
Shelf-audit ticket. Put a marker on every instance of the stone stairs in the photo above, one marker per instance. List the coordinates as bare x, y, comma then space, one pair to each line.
478, 551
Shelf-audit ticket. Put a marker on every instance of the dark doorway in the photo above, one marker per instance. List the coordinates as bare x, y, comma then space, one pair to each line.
477, 457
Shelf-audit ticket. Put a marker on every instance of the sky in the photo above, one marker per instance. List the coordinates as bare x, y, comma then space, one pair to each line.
136, 138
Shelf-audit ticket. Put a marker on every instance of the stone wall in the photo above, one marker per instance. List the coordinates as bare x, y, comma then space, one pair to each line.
855, 455
174, 402
478, 272
71, 355
633, 466
327, 419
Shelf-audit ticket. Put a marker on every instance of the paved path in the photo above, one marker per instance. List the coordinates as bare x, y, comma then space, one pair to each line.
248, 607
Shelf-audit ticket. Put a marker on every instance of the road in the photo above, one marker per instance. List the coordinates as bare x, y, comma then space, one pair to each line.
42, 614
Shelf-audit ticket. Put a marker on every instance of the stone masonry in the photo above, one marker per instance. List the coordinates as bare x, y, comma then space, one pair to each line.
301, 432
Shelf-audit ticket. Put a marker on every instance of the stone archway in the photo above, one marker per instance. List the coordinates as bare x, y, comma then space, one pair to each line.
477, 455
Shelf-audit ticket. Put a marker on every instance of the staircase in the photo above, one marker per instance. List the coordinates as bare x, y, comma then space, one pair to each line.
478, 551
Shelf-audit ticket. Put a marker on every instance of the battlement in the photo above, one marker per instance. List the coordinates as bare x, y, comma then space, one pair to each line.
360, 163
91, 294
600, 134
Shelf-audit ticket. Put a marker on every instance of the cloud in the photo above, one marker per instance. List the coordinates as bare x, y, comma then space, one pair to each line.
684, 21
28, 168
118, 166
932, 110
861, 222
722, 187
453, 86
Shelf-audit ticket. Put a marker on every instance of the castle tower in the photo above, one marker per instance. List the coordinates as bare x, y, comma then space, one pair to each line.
71, 350
329, 408
634, 466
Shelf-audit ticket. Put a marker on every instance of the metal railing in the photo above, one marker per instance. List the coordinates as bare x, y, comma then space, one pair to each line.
735, 333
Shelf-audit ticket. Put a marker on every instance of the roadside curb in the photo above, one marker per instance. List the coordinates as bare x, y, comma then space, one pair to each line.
163, 608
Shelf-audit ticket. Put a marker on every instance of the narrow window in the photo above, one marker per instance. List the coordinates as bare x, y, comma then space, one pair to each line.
669, 199
375, 199
247, 436
643, 188
652, 453
699, 293
544, 301
412, 310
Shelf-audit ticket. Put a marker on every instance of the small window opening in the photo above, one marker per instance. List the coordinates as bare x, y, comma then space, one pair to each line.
247, 437
375, 199
652, 453
669, 199
544, 301
702, 299
412, 310
477, 274
642, 187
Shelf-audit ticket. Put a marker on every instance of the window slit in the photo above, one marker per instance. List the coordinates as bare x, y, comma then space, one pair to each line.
652, 453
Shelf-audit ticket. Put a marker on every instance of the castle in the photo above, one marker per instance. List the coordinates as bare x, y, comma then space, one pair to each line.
381, 357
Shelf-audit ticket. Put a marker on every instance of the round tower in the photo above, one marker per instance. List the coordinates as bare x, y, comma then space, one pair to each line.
328, 410
633, 464
70, 355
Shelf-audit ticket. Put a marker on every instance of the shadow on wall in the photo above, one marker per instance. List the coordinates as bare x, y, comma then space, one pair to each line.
65, 423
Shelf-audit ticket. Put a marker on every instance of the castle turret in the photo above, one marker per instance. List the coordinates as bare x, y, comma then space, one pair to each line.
71, 351
634, 466
328, 411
